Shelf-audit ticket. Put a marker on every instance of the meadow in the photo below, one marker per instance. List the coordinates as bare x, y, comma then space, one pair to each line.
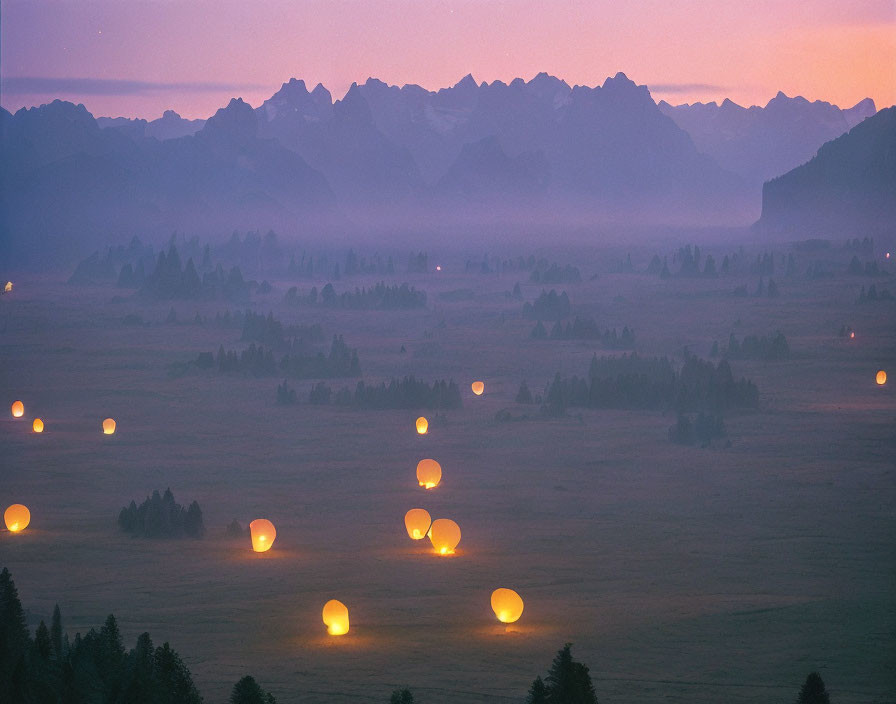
679, 573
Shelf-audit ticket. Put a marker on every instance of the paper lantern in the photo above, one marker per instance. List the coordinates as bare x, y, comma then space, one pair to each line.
507, 605
881, 378
263, 534
108, 426
17, 518
38, 425
478, 387
335, 616
417, 521
18, 409
445, 535
852, 335
422, 425
8, 287
429, 473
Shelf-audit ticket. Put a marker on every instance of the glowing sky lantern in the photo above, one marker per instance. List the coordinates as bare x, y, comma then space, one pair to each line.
429, 473
263, 534
8, 286
852, 335
17, 518
445, 535
422, 425
108, 426
507, 605
417, 521
438, 268
38, 425
335, 616
881, 377
478, 387
18, 409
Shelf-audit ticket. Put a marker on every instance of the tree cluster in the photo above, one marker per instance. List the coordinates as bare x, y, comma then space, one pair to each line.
581, 328
870, 268
872, 295
378, 297
703, 429
173, 280
406, 393
269, 331
259, 361
548, 306
567, 682
767, 347
160, 516
630, 381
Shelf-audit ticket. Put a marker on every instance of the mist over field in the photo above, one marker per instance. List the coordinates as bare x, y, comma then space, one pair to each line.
525, 389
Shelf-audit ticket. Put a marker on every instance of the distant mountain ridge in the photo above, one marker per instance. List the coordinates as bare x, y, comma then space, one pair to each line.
760, 143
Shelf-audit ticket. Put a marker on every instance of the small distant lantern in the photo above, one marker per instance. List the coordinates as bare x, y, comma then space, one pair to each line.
8, 287
38, 425
335, 615
881, 377
263, 534
444, 535
429, 473
422, 425
417, 521
439, 268
852, 335
888, 256
18, 409
507, 605
109, 426
478, 388
17, 518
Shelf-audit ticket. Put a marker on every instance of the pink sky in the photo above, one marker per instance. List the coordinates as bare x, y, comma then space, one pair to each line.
687, 50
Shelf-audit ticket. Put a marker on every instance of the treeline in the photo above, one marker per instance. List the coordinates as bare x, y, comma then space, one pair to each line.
97, 269
692, 264
259, 361
872, 295
173, 280
705, 428
94, 668
768, 347
379, 297
406, 393
541, 271
548, 306
761, 291
585, 329
160, 516
633, 382
269, 331
352, 265
869, 268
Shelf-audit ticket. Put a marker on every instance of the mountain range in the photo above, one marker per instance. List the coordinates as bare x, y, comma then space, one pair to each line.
527, 152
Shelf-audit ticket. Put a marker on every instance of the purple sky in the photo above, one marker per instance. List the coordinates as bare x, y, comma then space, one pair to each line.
139, 57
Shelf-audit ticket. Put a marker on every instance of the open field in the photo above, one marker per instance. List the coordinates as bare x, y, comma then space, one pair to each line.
680, 574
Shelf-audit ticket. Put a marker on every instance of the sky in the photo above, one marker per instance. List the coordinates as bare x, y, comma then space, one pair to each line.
137, 58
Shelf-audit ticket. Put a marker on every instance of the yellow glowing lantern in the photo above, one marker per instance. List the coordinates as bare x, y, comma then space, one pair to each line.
507, 605
445, 535
8, 286
108, 426
881, 377
17, 518
417, 522
263, 534
38, 425
18, 409
422, 425
429, 473
478, 387
335, 616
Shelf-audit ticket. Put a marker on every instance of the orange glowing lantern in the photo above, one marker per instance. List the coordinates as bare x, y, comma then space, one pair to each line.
17, 518
108, 426
417, 521
422, 425
478, 388
881, 377
8, 287
335, 617
263, 534
38, 425
18, 409
445, 535
507, 605
429, 473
